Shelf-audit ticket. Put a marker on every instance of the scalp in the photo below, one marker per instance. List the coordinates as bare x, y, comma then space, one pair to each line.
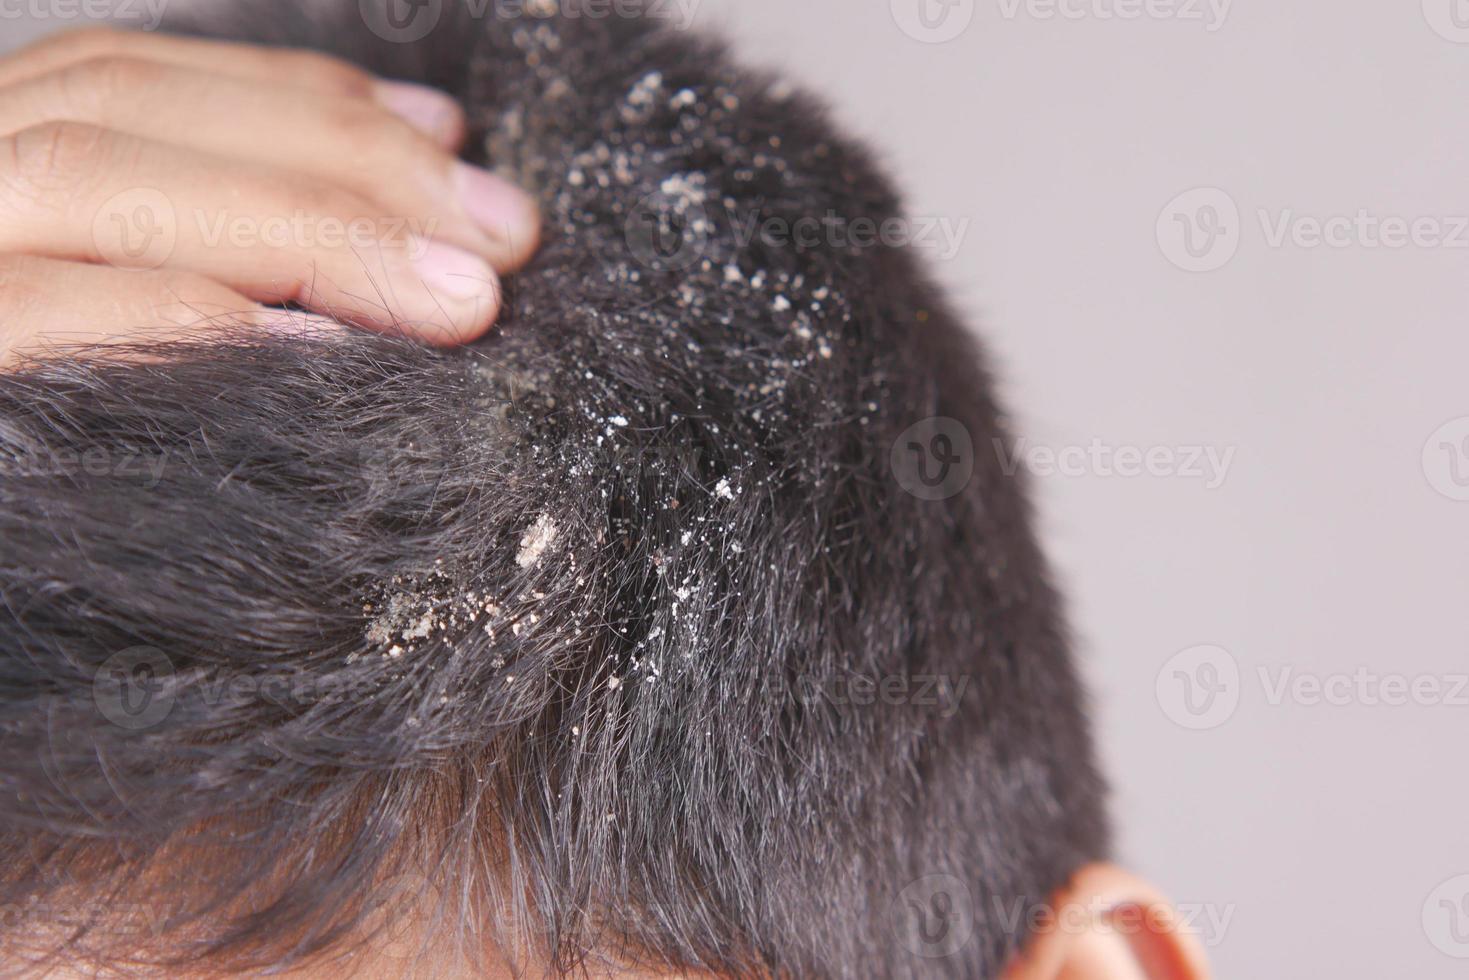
575, 577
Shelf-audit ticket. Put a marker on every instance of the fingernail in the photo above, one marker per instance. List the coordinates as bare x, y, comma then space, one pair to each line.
501, 209
425, 109
462, 285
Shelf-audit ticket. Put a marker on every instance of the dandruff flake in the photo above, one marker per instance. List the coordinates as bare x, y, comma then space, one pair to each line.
535, 541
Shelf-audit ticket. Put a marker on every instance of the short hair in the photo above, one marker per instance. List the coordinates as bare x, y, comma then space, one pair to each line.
612, 630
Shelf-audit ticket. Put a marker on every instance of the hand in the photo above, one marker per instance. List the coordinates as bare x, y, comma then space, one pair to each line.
148, 183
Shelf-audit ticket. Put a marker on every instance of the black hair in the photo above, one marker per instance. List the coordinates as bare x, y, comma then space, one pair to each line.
611, 632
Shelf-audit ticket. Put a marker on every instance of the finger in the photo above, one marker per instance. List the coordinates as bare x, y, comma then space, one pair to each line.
350, 142
74, 191
300, 69
48, 304
432, 112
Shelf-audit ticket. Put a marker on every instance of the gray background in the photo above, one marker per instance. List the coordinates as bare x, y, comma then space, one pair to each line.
1323, 835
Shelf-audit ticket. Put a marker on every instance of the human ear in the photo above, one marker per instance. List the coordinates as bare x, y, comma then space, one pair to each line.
1108, 924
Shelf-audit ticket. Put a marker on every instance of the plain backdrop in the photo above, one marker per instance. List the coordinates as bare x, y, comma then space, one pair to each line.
1248, 631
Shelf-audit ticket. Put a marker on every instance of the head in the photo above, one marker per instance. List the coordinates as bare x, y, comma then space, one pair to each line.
683, 626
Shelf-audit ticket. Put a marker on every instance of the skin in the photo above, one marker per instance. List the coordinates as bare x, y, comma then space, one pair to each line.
144, 190
1107, 924
108, 140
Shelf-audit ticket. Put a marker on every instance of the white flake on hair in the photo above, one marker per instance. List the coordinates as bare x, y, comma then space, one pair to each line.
535, 541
